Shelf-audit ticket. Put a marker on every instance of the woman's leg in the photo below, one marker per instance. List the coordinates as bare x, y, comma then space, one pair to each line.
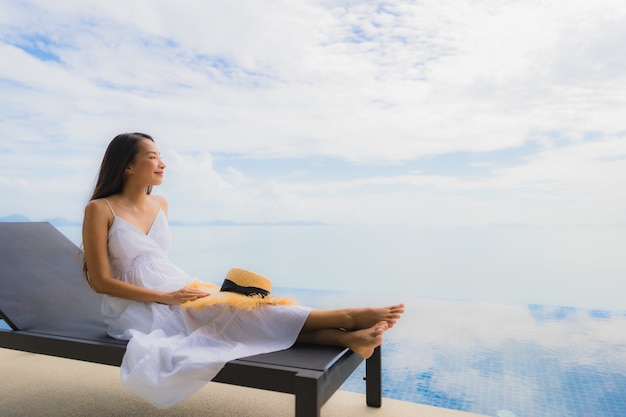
362, 342
352, 318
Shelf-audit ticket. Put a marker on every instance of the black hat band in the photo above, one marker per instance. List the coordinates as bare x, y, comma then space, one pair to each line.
230, 286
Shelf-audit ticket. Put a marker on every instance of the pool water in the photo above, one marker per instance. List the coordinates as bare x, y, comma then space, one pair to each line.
502, 360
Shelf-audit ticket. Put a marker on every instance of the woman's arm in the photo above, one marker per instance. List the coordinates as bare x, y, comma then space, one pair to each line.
98, 219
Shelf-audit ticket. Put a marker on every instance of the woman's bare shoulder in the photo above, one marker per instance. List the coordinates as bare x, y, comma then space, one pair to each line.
97, 205
98, 209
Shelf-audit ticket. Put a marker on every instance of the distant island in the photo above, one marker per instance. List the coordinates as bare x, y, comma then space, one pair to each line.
61, 222
55, 221
15, 218
232, 223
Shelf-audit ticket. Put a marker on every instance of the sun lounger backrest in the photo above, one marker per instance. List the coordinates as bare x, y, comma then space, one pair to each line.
41, 283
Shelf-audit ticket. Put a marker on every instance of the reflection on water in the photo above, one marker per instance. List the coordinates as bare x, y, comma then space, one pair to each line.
487, 358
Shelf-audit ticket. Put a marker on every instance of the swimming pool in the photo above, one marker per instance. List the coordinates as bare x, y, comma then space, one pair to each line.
496, 359
504, 360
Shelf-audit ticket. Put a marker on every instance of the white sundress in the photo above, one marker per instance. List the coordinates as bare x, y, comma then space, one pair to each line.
173, 352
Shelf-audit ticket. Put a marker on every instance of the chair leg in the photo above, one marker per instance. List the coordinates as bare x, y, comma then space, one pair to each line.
308, 394
373, 379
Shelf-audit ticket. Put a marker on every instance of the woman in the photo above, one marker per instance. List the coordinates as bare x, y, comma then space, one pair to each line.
174, 351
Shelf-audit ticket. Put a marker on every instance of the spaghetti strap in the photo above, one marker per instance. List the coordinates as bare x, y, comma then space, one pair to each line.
158, 200
109, 204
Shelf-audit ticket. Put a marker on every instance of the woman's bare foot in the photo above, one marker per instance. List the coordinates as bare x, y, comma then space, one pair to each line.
364, 341
363, 318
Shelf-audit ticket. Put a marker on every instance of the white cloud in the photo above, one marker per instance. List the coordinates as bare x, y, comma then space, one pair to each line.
361, 82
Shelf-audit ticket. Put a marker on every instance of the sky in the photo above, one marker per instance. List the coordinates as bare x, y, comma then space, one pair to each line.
346, 112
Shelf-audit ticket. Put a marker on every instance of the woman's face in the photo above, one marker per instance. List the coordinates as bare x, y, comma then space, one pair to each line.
147, 167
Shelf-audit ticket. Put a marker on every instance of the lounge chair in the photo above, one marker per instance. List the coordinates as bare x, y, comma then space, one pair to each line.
51, 310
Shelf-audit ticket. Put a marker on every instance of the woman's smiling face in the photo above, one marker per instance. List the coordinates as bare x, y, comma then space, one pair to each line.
147, 167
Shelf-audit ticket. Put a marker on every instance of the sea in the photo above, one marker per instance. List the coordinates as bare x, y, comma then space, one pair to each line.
502, 320
579, 266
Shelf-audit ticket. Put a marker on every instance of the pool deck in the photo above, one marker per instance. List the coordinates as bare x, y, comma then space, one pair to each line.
38, 385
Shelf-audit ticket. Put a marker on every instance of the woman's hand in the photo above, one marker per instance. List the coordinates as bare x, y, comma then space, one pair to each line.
183, 295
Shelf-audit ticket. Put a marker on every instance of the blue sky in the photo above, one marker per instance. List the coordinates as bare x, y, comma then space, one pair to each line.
403, 112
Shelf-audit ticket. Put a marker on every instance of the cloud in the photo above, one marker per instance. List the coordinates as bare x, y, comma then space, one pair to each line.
364, 83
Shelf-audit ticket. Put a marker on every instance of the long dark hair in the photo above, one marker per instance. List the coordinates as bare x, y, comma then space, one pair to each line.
121, 151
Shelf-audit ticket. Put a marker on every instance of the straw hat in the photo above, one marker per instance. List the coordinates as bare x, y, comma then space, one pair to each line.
241, 288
